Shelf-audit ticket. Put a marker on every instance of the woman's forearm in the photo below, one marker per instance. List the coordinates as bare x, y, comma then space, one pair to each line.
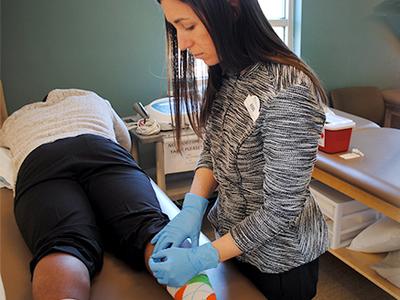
226, 247
204, 183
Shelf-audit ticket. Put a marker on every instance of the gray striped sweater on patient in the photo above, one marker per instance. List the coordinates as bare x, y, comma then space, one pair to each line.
264, 167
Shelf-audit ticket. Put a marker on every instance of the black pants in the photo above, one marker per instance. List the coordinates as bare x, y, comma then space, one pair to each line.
297, 284
82, 195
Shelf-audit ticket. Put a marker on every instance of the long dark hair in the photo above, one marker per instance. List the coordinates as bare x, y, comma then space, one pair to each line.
242, 36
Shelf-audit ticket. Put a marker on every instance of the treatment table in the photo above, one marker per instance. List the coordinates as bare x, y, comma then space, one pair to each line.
373, 180
116, 281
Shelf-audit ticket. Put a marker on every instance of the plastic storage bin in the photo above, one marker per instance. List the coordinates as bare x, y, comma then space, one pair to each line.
336, 134
344, 216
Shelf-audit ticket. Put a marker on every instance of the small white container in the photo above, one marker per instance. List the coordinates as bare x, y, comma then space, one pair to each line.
330, 199
345, 216
191, 147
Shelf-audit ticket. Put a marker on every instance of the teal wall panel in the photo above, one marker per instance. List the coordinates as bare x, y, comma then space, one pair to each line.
115, 48
348, 43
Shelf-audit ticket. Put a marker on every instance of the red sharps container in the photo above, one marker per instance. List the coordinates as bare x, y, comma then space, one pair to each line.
336, 135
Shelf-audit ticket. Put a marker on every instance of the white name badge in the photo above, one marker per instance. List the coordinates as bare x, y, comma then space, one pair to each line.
252, 103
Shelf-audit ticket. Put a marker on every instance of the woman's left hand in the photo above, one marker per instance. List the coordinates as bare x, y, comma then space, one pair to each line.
176, 266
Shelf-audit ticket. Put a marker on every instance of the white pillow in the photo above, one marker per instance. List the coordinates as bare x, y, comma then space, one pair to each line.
389, 268
382, 236
7, 174
2, 293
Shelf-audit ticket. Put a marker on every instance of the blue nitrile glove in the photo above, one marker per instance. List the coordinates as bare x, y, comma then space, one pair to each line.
176, 266
186, 224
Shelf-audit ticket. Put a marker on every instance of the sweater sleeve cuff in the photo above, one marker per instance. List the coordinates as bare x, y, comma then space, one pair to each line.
242, 239
204, 162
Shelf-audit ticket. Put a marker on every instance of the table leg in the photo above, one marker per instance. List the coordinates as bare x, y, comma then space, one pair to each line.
160, 171
135, 149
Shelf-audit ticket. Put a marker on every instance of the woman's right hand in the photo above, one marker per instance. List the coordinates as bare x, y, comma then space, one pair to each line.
186, 224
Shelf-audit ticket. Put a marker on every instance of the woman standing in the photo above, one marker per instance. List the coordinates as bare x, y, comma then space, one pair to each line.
261, 116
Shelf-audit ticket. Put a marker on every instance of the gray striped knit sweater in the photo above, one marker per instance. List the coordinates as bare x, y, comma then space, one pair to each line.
264, 168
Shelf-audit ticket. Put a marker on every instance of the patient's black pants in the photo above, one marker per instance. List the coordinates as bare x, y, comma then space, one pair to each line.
83, 195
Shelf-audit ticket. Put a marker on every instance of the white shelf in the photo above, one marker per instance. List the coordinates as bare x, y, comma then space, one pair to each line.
361, 262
